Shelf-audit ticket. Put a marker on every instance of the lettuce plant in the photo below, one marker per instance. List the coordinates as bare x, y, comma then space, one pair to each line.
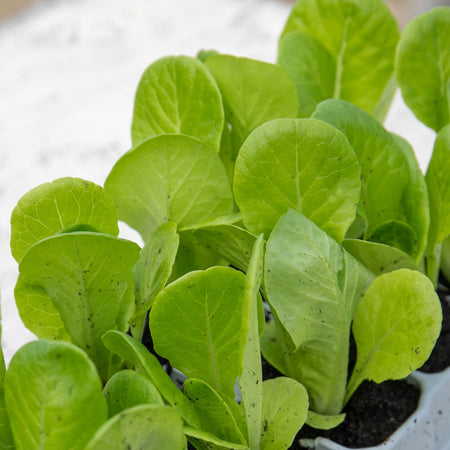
281, 171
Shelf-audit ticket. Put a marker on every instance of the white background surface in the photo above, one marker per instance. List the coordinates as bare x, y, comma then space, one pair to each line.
68, 73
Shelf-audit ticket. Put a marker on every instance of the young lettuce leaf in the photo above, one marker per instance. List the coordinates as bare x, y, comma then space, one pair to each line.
171, 178
393, 204
313, 287
51, 207
149, 427
129, 388
303, 164
437, 178
423, 67
334, 34
396, 325
177, 94
89, 279
54, 396
285, 408
152, 271
205, 313
253, 92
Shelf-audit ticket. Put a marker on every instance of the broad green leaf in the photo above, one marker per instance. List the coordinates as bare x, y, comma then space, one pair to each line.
311, 67
343, 28
149, 427
321, 422
173, 178
395, 326
54, 396
89, 278
152, 271
134, 352
177, 94
423, 67
6, 437
388, 176
250, 381
128, 388
204, 312
203, 440
378, 258
221, 420
437, 178
253, 92
302, 164
415, 199
284, 413
37, 311
51, 207
438, 182
313, 286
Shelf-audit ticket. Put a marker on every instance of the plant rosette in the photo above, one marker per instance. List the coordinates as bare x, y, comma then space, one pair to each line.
252, 185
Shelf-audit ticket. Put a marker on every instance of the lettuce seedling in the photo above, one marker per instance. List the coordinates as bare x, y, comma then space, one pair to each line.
314, 287
324, 48
423, 73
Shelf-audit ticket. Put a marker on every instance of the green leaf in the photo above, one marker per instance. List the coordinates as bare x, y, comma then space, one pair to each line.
171, 178
321, 422
250, 381
203, 440
313, 287
205, 312
272, 347
230, 241
438, 182
423, 67
149, 427
152, 271
339, 31
378, 258
439, 193
285, 410
88, 277
135, 353
311, 67
177, 94
445, 258
221, 420
302, 164
396, 234
395, 326
128, 388
193, 255
6, 437
37, 311
389, 179
415, 199
253, 92
54, 396
51, 207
